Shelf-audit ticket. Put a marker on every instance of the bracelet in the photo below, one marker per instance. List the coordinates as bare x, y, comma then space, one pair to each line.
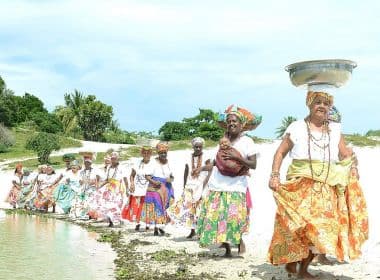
275, 174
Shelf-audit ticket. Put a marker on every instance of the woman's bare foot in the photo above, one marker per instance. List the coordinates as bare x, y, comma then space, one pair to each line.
322, 259
192, 234
302, 272
306, 276
228, 250
291, 268
242, 249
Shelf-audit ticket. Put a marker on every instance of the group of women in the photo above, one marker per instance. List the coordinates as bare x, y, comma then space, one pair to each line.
320, 207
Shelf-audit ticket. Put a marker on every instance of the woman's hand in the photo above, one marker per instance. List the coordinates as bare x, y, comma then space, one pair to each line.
354, 172
228, 155
274, 183
132, 188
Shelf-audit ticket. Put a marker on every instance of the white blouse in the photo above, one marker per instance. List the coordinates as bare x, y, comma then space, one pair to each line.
141, 183
219, 182
299, 136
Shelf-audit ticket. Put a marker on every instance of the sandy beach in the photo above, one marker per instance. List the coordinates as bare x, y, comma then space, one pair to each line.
254, 264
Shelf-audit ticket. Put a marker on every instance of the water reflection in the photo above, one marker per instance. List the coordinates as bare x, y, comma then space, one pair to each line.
34, 247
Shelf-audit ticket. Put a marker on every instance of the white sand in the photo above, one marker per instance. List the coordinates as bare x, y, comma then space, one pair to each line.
254, 265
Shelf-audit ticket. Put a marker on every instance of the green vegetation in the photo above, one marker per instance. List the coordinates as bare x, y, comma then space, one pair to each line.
205, 125
373, 133
21, 135
6, 139
284, 125
43, 144
360, 140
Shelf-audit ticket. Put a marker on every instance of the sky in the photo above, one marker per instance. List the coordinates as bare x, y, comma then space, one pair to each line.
158, 61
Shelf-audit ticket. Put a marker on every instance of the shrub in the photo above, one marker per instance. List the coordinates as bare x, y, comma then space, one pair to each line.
43, 144
6, 139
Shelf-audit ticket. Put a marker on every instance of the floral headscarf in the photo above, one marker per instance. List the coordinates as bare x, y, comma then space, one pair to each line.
249, 120
311, 95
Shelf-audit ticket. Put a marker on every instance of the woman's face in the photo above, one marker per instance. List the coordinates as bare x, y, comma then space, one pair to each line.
162, 155
198, 147
75, 168
320, 107
146, 155
49, 170
234, 126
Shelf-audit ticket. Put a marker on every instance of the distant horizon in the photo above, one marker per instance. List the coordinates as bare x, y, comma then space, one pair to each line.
155, 62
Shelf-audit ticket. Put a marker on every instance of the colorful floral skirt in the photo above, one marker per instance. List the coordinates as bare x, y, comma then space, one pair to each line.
44, 198
64, 196
185, 211
132, 211
13, 196
223, 218
25, 195
312, 214
81, 203
108, 201
157, 201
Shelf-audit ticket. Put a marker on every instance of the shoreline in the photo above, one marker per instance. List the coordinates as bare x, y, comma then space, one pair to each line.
142, 256
167, 254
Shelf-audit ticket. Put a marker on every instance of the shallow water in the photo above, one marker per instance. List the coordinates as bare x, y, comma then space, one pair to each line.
34, 247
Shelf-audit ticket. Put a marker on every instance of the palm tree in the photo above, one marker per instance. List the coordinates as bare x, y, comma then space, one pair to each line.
70, 113
284, 125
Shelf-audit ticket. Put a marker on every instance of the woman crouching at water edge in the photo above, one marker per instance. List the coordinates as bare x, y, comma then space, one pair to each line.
224, 212
46, 185
14, 193
160, 193
138, 187
321, 208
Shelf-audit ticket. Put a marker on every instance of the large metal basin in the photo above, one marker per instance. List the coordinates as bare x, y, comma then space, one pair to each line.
328, 72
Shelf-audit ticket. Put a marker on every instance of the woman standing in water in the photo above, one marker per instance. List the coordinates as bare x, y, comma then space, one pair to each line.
14, 193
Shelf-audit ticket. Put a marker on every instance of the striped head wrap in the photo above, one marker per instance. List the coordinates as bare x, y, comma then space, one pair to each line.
311, 95
249, 120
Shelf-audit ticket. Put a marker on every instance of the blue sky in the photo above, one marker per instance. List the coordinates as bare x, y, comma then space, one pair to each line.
158, 61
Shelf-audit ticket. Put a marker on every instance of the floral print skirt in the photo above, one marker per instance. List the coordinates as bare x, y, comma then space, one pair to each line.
315, 215
223, 218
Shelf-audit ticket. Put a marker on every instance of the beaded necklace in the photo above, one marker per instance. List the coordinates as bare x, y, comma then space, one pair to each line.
199, 164
114, 172
141, 179
312, 139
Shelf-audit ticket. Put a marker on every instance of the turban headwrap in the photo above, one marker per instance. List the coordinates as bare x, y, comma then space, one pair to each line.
68, 157
311, 95
162, 147
197, 140
249, 120
75, 163
146, 148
